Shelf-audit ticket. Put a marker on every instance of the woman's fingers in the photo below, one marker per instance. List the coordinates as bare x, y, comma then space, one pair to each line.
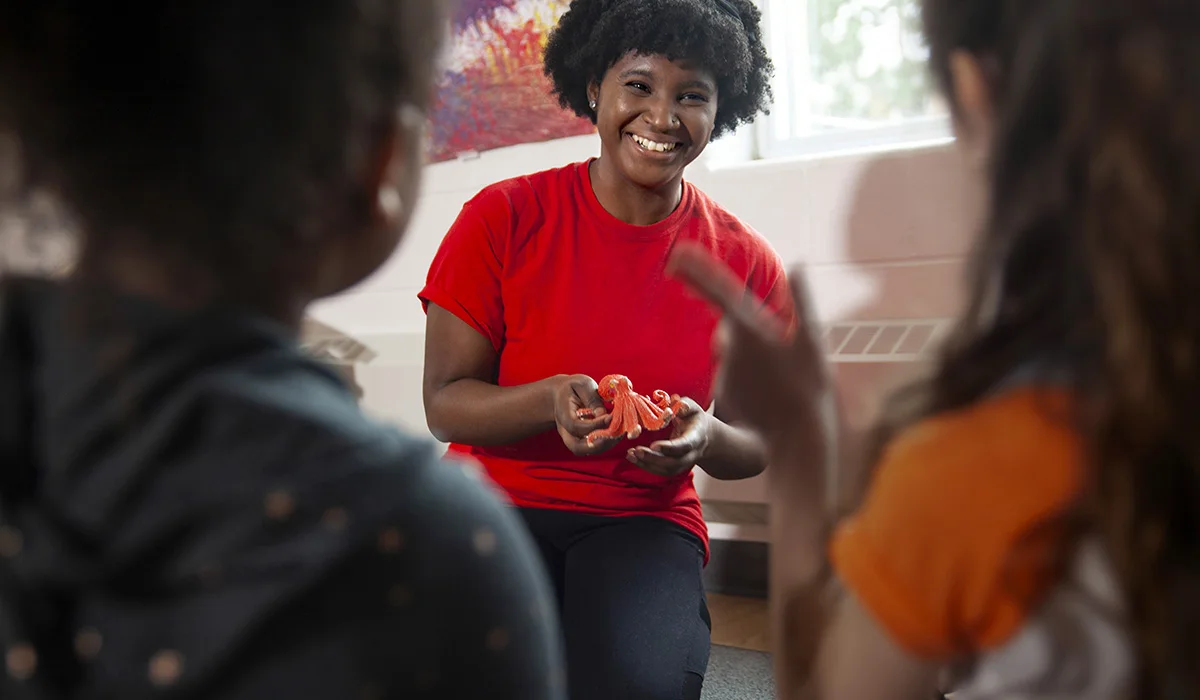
661, 464
580, 446
603, 444
674, 449
591, 413
579, 410
582, 427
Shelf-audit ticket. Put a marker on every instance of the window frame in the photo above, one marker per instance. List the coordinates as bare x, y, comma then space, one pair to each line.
894, 135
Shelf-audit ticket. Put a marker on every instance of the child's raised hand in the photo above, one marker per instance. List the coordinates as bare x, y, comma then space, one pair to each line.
771, 378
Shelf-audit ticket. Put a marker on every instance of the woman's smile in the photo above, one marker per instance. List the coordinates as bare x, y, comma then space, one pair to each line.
658, 147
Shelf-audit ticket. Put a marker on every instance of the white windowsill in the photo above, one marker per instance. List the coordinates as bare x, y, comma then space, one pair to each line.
741, 153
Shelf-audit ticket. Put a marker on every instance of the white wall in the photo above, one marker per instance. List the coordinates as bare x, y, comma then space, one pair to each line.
883, 237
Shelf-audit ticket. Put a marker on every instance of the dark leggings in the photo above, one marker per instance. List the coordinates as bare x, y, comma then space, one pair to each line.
631, 597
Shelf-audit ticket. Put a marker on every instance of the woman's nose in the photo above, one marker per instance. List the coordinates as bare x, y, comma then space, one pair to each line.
662, 115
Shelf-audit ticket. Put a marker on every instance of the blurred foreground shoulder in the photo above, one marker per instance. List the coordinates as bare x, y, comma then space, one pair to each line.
442, 596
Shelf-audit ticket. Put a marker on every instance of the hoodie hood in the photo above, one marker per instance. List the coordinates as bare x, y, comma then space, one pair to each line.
97, 389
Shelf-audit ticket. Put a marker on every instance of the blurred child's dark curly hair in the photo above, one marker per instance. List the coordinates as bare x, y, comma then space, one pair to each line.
594, 34
220, 132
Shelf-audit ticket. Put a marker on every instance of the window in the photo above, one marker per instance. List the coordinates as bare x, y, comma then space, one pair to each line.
849, 74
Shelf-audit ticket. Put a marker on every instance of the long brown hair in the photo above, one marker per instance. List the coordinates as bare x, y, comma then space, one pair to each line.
1089, 265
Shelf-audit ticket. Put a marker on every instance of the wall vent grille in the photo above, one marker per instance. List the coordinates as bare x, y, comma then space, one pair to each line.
884, 341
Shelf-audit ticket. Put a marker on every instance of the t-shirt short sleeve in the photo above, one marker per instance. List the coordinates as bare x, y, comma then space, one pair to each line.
962, 530
466, 274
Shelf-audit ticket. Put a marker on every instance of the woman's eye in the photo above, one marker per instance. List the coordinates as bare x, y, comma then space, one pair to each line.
639, 86
693, 97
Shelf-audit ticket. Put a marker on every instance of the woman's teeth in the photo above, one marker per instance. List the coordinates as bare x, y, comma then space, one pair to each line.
653, 145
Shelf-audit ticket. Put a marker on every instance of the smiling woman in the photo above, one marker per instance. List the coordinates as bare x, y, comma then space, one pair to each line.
658, 76
549, 281
654, 116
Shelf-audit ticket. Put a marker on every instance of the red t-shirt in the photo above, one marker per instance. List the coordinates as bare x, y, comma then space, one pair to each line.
561, 286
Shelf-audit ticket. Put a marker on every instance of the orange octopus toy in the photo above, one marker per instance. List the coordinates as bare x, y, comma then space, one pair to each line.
631, 412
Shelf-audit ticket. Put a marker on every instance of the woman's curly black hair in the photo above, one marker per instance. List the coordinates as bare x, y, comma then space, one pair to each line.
594, 34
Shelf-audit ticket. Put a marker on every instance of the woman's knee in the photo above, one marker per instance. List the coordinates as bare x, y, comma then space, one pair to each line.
631, 683
649, 657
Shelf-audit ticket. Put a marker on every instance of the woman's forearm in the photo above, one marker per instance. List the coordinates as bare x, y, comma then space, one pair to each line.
733, 453
481, 414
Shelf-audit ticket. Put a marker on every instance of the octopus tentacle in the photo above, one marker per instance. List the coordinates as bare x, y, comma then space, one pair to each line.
629, 417
616, 427
601, 433
652, 416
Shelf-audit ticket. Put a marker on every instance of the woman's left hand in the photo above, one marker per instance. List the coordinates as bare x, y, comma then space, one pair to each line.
691, 430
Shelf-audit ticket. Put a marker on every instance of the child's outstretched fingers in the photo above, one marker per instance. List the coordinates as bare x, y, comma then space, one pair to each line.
697, 268
806, 338
771, 377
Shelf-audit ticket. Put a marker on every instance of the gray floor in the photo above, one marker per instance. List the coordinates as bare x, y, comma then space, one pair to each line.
738, 674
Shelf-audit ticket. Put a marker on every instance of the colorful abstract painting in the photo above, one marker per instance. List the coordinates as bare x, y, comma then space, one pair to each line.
492, 92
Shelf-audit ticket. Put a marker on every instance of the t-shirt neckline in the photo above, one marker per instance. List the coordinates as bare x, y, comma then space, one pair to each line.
622, 228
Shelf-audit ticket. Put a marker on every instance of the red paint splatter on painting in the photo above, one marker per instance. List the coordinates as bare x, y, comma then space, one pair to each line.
500, 97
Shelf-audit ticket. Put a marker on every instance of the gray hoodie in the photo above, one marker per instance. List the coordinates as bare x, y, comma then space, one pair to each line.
191, 507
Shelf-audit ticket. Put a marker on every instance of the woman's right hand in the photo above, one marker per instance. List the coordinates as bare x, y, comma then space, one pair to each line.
577, 395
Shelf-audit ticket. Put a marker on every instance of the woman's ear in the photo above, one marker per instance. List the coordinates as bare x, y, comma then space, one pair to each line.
974, 104
593, 94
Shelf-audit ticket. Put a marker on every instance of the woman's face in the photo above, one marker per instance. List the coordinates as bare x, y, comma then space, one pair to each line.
654, 116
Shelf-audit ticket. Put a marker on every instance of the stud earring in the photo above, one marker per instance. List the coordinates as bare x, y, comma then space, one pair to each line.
390, 203
592, 104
